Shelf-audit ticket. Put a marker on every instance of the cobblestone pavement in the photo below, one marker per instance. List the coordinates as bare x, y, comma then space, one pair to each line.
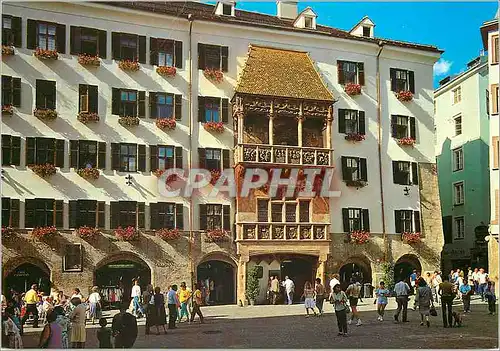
287, 327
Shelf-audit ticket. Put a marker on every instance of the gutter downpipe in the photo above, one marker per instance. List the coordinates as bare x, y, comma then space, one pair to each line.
379, 142
190, 18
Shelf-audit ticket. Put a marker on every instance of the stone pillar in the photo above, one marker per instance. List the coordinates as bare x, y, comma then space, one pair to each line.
329, 121
320, 272
242, 279
271, 127
300, 120
240, 129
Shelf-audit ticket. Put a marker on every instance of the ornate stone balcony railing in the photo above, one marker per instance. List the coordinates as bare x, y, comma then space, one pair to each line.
284, 231
282, 154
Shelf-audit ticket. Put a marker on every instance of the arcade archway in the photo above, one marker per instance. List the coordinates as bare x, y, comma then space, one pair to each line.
405, 265
31, 271
357, 268
217, 281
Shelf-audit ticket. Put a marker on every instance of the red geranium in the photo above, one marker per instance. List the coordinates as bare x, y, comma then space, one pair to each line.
404, 95
352, 89
168, 234
128, 234
359, 236
43, 232
216, 235
411, 238
406, 141
128, 65
88, 233
7, 232
45, 170
166, 123
214, 75
46, 54
355, 137
217, 127
166, 71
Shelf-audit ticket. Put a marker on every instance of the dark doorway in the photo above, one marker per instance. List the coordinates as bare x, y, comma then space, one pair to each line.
405, 266
356, 271
222, 275
299, 270
21, 279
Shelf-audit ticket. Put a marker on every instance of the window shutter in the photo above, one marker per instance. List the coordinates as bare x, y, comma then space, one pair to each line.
154, 216
93, 98
411, 81
397, 221
341, 120
31, 34
103, 39
52, 88
142, 158
201, 56
30, 151
224, 53
152, 105
141, 215
61, 38
142, 49
203, 217
179, 216
17, 30
6, 150
153, 51
16, 92
73, 214
142, 104
345, 174
226, 217
115, 213
75, 40
345, 219
73, 153
393, 126
29, 213
366, 220
414, 173
448, 229
101, 157
178, 54
361, 73
115, 101
115, 45
59, 161
201, 158
225, 110
15, 151
225, 159
101, 217
416, 219
201, 109
393, 79
340, 72
59, 213
178, 107
115, 156
395, 172
362, 165
178, 157
361, 122
40, 87
413, 128
14, 213
153, 157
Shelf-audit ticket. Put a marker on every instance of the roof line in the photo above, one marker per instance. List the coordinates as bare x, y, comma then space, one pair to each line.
460, 76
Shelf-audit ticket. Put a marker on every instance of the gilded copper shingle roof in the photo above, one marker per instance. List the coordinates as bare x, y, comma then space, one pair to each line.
284, 73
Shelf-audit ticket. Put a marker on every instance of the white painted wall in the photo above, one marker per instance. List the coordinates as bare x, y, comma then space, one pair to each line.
494, 131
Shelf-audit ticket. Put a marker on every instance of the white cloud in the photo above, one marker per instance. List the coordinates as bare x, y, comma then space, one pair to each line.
442, 67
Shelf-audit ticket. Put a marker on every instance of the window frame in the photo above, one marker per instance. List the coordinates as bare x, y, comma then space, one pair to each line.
125, 214
213, 217
456, 232
456, 95
407, 221
308, 22
162, 209
159, 105
457, 121
79, 258
216, 162
458, 195
169, 162
46, 34
494, 50
86, 144
227, 7
351, 118
369, 34
349, 76
128, 156
8, 34
400, 135
129, 104
49, 96
85, 92
45, 211
458, 166
12, 151
403, 82
130, 38
215, 110
85, 32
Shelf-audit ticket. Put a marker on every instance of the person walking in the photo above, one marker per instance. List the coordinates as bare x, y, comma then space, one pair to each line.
466, 292
482, 278
77, 318
197, 302
491, 297
339, 299
64, 323
51, 337
136, 299
10, 330
173, 305
289, 289
148, 306
475, 279
447, 296
124, 327
95, 305
381, 293
436, 280
352, 293
275, 290
184, 296
31, 300
424, 301
104, 335
402, 291
413, 281
159, 316
309, 298
320, 295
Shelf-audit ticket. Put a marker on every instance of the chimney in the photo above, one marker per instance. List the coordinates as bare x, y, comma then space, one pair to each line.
287, 9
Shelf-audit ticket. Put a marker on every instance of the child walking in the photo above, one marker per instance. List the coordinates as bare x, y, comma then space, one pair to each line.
104, 335
381, 293
309, 298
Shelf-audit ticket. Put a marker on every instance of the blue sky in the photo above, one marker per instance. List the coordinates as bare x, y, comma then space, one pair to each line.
453, 27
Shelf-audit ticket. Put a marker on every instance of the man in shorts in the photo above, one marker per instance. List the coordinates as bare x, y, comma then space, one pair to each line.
352, 292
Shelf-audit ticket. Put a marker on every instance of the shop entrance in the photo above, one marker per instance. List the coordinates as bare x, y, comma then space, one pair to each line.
26, 274
219, 277
357, 271
299, 269
115, 280
404, 267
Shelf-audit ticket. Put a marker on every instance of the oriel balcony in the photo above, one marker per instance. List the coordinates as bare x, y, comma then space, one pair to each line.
283, 155
283, 231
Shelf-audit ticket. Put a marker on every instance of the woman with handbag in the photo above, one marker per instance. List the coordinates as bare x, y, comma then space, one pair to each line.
339, 299
424, 301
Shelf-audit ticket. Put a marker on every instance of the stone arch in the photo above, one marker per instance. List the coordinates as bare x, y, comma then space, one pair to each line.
20, 272
358, 266
222, 268
405, 265
15, 262
219, 256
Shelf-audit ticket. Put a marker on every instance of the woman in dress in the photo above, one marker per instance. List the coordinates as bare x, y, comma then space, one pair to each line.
159, 316
77, 318
63, 322
51, 337
382, 294
10, 330
423, 299
94, 304
339, 300
309, 298
147, 296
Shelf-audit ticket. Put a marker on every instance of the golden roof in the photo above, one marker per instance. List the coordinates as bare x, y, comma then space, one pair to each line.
283, 73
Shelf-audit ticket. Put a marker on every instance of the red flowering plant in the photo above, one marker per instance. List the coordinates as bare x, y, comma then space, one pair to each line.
168, 234
216, 235
411, 238
127, 234
47, 114
41, 233
128, 65
215, 75
166, 123
404, 95
406, 141
7, 109
359, 236
352, 89
8, 232
89, 60
128, 121
88, 233
88, 173
45, 170
214, 176
158, 172
7, 50
217, 127
46, 54
166, 71
86, 117
354, 137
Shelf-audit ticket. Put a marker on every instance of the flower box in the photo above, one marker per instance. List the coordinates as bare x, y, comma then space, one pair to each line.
158, 173
128, 65
41, 233
359, 237
168, 234
88, 233
354, 137
7, 50
217, 127
89, 60
355, 183
214, 176
45, 114
406, 141
216, 235
128, 121
127, 234
411, 238
45, 170
166, 123
7, 109
46, 54
7, 232
215, 75
88, 173
166, 71
86, 117
352, 89
404, 95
